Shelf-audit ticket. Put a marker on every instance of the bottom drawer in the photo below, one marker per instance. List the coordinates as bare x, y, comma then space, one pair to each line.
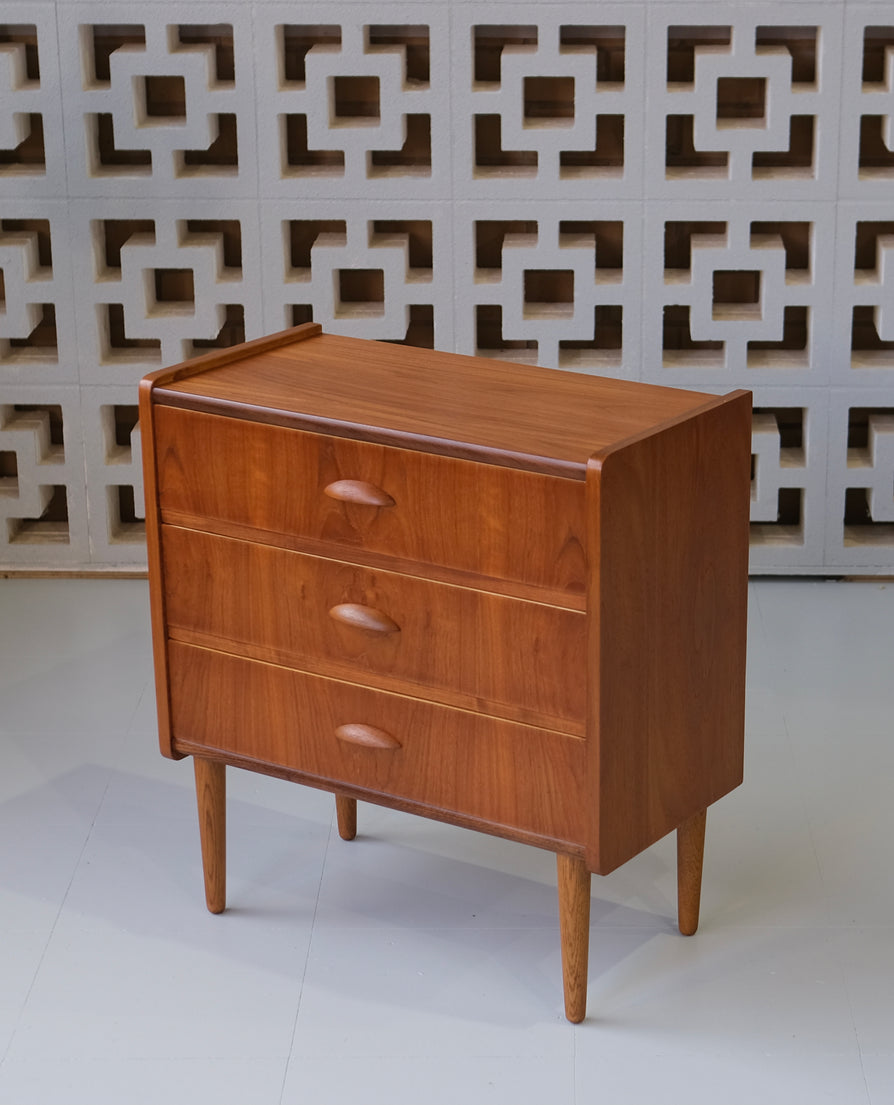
501, 773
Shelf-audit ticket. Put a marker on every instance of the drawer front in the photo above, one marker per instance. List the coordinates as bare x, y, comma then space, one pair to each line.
504, 774
480, 518
467, 648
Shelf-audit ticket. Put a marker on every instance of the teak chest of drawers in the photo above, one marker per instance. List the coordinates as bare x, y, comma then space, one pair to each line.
501, 596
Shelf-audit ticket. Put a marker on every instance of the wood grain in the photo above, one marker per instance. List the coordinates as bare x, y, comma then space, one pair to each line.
388, 801
494, 770
148, 384
156, 581
346, 816
211, 797
464, 648
669, 552
690, 860
382, 561
434, 401
501, 596
217, 358
574, 927
484, 519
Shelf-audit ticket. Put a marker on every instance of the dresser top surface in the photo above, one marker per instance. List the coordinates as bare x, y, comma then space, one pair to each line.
350, 386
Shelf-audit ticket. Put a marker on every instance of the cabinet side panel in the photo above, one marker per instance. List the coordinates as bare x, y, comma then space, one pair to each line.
669, 555
156, 585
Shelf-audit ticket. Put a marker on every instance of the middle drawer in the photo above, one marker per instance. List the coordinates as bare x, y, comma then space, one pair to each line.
519, 660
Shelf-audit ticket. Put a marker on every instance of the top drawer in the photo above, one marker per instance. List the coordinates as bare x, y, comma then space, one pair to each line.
480, 518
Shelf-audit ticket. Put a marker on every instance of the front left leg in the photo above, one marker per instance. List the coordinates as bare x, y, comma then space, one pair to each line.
346, 815
574, 927
211, 796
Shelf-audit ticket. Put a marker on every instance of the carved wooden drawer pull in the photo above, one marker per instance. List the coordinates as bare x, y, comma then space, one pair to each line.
358, 491
367, 735
363, 617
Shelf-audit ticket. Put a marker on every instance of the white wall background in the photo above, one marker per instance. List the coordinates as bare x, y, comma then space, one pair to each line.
683, 193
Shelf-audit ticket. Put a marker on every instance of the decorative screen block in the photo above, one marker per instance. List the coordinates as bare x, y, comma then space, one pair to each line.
864, 294
43, 516
537, 286
165, 288
31, 154
37, 331
748, 104
867, 142
744, 292
788, 478
387, 277
356, 106
663, 191
115, 491
549, 104
162, 105
860, 503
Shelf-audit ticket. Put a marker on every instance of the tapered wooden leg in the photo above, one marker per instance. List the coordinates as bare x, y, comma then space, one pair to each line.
690, 855
211, 795
346, 813
574, 926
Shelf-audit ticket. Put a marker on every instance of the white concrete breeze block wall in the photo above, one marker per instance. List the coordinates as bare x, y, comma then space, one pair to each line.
690, 194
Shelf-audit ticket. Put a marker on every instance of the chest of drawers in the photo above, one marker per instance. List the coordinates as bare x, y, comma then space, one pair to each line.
501, 596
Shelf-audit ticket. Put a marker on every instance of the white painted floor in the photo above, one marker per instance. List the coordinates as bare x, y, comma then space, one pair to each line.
420, 963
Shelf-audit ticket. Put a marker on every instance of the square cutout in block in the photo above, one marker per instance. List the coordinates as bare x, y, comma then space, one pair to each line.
174, 286
165, 97
356, 97
361, 292
549, 98
734, 286
741, 98
548, 286
737, 294
9, 472
549, 293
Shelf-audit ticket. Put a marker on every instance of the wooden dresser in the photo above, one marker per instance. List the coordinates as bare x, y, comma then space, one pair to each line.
501, 596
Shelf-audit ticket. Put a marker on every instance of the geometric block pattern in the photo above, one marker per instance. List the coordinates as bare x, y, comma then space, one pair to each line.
747, 104
865, 294
355, 105
154, 104
43, 517
650, 191
556, 291
876, 462
744, 294
115, 495
32, 160
38, 342
788, 484
164, 288
867, 144
861, 483
355, 275
549, 102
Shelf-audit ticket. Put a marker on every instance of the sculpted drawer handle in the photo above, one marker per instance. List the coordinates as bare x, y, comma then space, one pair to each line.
358, 491
367, 735
363, 617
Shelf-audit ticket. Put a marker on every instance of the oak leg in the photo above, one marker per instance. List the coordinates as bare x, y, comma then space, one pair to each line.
211, 796
346, 813
690, 855
574, 927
